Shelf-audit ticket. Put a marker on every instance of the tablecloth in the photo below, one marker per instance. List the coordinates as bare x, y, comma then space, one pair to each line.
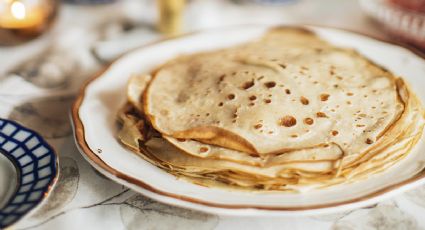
39, 80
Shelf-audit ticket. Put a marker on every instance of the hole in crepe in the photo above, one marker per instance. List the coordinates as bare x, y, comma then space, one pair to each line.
267, 101
287, 91
203, 149
315, 82
248, 84
164, 112
374, 91
348, 102
283, 66
373, 107
253, 98
324, 96
350, 94
321, 114
336, 86
270, 84
369, 141
220, 104
251, 104
325, 145
294, 135
308, 121
270, 132
181, 140
339, 78
304, 100
365, 95
288, 121
234, 73
258, 126
334, 132
207, 114
221, 78
231, 96
358, 125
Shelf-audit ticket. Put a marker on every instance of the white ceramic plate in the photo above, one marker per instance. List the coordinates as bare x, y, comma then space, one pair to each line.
95, 131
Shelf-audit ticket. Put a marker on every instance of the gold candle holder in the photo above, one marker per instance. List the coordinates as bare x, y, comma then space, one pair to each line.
170, 16
23, 20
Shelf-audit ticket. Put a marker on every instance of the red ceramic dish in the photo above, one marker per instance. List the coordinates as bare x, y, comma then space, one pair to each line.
413, 5
403, 19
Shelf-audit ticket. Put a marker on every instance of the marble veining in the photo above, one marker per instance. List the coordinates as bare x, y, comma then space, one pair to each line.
86, 39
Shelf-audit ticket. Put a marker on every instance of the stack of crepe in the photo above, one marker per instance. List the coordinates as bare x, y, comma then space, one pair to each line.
284, 112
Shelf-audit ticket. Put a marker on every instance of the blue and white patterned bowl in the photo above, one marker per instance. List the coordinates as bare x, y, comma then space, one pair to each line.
36, 166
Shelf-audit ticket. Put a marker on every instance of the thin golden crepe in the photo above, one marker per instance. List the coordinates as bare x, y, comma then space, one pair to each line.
259, 95
284, 112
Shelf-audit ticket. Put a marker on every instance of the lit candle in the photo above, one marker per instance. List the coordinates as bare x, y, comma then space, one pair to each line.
170, 16
22, 20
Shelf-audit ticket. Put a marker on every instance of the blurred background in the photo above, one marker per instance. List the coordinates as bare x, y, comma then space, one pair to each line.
98, 31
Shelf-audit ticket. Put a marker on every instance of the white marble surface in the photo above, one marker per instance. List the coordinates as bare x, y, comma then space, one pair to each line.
38, 81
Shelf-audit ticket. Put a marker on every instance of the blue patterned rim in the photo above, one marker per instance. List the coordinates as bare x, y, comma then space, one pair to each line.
36, 165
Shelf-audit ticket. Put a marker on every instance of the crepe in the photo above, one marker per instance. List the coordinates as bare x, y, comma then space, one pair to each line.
260, 101
287, 177
284, 112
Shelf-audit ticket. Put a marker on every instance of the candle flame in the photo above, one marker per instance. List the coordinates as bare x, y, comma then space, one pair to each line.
18, 10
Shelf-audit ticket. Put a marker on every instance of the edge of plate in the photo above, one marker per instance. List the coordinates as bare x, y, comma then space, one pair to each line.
94, 159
